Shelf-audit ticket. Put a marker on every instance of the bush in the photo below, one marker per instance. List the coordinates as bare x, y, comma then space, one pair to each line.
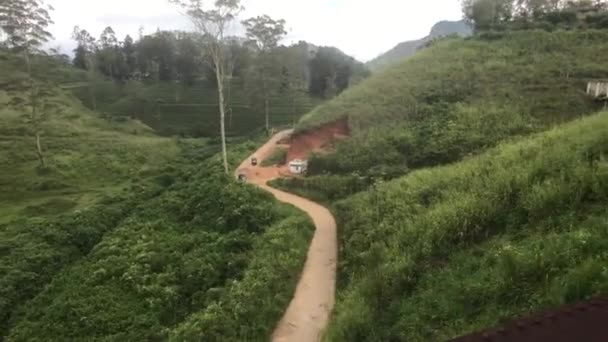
200, 247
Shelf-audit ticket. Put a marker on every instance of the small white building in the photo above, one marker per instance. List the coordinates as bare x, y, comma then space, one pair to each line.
598, 89
298, 167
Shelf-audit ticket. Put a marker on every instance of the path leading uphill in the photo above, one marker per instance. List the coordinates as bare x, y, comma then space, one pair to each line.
309, 310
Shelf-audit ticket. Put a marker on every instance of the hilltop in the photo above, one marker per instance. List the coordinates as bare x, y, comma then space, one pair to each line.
406, 49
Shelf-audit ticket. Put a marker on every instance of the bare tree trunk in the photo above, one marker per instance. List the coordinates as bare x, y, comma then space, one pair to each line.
39, 149
267, 114
293, 111
92, 95
220, 94
230, 114
91, 75
34, 104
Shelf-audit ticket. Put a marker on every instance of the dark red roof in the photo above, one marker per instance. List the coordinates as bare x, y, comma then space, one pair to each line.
583, 322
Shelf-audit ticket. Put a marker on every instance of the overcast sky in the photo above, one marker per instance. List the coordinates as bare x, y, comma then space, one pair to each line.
361, 28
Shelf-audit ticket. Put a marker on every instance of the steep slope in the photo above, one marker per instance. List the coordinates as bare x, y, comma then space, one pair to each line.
406, 49
481, 183
458, 97
455, 249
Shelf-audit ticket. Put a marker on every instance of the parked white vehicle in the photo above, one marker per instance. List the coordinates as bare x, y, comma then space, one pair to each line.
298, 167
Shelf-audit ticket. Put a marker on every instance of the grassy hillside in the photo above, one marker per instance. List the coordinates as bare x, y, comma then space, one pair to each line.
481, 181
174, 109
125, 235
406, 49
458, 97
177, 265
449, 250
87, 157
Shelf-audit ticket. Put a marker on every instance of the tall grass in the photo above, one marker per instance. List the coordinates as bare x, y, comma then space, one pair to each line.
400, 241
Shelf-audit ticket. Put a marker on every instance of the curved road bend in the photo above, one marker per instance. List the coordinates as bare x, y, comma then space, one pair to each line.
309, 310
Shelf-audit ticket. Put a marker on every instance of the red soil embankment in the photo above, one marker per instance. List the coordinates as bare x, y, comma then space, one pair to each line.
302, 144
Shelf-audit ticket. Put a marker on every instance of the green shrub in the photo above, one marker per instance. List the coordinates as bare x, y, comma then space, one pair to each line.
203, 244
261, 296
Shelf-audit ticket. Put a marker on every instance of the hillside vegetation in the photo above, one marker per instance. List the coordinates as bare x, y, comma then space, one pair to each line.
172, 257
190, 110
116, 237
87, 156
473, 188
125, 235
459, 97
455, 249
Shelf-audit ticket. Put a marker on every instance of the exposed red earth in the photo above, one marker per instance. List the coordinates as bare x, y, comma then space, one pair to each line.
317, 140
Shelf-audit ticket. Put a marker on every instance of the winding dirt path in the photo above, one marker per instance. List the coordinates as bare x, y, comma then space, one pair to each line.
309, 310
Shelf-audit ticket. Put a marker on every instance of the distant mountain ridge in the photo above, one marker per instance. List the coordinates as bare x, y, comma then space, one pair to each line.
406, 49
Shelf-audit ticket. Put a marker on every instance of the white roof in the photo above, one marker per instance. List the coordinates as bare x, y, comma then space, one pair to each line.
297, 162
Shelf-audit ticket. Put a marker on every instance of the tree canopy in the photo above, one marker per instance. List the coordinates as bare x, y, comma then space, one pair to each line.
524, 14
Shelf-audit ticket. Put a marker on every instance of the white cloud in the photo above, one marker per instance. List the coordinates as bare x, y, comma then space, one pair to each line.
362, 28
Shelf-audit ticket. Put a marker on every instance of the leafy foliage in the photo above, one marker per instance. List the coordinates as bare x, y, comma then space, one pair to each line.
25, 24
34, 251
486, 15
459, 97
263, 293
449, 250
176, 253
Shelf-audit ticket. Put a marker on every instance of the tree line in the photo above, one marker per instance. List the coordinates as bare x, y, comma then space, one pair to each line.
257, 59
207, 53
486, 15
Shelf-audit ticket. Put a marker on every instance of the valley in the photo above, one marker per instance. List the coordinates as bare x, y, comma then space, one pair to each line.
212, 184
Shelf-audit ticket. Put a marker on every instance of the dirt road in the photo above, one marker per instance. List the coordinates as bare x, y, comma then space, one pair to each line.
309, 310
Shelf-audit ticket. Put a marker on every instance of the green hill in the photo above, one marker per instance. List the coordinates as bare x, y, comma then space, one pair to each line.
473, 187
459, 96
87, 156
126, 235
455, 249
406, 49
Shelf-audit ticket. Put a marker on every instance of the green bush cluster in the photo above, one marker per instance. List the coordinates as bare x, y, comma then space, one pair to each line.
175, 109
187, 248
519, 228
249, 308
31, 253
